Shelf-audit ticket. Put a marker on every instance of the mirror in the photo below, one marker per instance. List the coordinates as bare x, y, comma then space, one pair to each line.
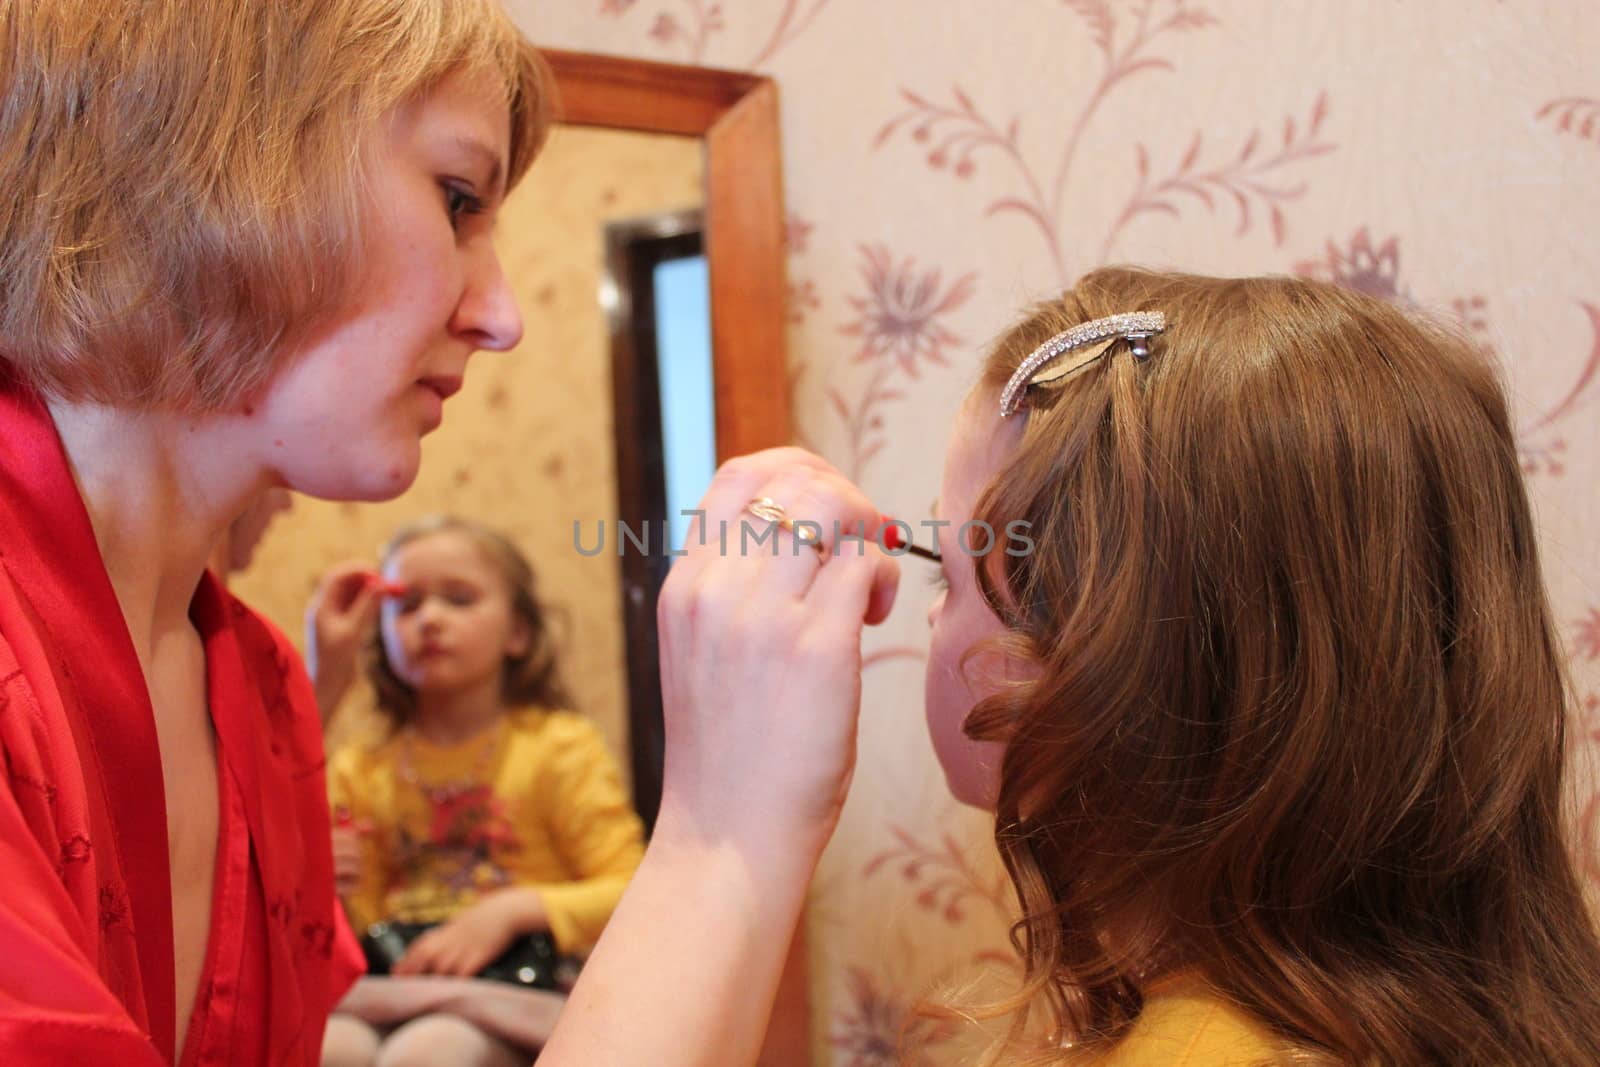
660, 190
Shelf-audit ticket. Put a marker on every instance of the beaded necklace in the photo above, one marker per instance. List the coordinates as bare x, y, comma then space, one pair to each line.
444, 793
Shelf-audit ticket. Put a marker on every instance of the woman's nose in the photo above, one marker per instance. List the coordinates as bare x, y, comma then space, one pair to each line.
487, 316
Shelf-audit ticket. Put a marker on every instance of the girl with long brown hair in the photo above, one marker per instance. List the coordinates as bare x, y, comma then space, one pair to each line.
1269, 708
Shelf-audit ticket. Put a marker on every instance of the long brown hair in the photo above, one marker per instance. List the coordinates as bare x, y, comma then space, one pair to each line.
1300, 711
530, 680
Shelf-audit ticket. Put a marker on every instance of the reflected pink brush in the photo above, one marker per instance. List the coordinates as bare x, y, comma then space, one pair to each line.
386, 587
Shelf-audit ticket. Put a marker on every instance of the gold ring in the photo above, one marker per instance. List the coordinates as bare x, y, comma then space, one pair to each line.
764, 507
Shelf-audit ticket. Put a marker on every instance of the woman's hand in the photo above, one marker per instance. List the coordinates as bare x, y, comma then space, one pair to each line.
343, 610
761, 657
761, 687
476, 937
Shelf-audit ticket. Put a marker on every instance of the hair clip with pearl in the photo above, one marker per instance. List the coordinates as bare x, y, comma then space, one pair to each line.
1090, 341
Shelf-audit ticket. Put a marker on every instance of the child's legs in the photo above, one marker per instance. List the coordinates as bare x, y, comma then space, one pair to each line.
434, 1040
349, 1042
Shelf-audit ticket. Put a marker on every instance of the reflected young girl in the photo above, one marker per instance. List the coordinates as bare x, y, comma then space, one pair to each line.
491, 812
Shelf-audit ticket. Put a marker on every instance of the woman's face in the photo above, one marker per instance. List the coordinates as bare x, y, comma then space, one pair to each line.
960, 617
454, 627
345, 417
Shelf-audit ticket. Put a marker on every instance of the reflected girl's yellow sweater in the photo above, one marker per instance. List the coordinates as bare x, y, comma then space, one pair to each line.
537, 801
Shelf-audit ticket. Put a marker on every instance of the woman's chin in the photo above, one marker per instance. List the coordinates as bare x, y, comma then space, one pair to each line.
382, 475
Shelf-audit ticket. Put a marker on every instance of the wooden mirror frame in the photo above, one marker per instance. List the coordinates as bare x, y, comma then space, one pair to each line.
736, 116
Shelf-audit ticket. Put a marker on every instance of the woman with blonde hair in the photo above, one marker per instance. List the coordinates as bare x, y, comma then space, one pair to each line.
242, 246
1269, 707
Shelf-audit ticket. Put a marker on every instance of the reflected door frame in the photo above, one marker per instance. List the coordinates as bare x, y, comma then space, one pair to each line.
736, 117
634, 248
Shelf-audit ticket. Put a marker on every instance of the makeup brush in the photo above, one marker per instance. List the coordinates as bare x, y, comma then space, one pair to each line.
894, 540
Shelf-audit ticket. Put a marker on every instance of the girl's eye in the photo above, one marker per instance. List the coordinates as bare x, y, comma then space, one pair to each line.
461, 598
458, 203
410, 602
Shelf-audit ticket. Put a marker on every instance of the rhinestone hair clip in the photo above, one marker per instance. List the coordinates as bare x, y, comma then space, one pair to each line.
1135, 327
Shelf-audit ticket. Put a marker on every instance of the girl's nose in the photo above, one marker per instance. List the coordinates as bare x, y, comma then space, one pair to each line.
428, 613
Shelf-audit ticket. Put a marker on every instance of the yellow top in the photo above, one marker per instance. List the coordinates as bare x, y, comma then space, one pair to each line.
1186, 1024
536, 801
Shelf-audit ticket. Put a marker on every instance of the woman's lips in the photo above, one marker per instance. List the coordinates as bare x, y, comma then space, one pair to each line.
445, 386
435, 391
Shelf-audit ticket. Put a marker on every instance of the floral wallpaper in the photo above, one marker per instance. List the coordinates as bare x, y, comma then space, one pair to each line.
947, 163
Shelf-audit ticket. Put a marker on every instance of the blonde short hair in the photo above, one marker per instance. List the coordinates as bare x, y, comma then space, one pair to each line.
184, 180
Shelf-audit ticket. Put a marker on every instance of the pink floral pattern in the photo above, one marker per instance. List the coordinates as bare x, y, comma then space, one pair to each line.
803, 299
945, 879
876, 1022
1252, 180
1575, 115
1375, 269
1544, 445
693, 31
899, 322
797, 234
900, 313
1249, 181
1359, 265
1586, 643
793, 18
695, 23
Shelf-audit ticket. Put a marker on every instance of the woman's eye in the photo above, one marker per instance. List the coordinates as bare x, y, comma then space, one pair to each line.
458, 202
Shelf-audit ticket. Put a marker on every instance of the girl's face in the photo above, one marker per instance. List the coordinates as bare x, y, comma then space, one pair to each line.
454, 628
960, 617
345, 417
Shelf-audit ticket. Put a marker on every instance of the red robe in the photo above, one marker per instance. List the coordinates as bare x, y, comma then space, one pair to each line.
86, 964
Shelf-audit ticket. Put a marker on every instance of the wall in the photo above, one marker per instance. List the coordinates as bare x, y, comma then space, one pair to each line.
528, 445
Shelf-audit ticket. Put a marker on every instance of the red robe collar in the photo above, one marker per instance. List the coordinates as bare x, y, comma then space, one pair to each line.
50, 550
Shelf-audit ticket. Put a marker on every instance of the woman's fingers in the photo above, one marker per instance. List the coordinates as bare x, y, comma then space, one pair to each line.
716, 526
761, 653
854, 586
